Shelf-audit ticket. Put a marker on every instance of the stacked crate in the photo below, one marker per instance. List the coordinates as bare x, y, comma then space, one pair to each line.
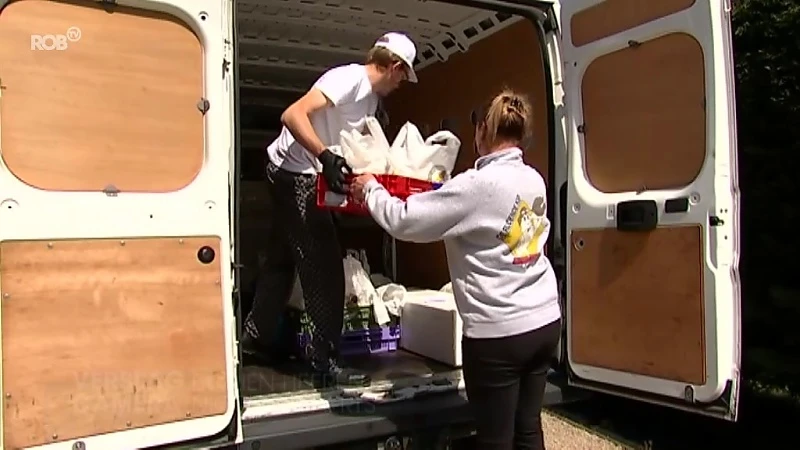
361, 335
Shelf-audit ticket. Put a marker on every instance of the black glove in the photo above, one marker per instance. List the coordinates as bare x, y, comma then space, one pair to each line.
333, 169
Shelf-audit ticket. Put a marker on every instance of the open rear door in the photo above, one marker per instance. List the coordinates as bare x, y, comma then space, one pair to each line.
653, 297
115, 264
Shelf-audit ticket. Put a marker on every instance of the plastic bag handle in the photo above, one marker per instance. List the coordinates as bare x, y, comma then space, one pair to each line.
376, 132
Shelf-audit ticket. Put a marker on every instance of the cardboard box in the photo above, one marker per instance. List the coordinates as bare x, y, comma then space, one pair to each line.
431, 326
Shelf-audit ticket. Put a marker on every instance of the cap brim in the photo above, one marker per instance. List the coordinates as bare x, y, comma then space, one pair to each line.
412, 75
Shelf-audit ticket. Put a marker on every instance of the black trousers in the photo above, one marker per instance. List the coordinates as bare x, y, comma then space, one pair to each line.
505, 380
303, 242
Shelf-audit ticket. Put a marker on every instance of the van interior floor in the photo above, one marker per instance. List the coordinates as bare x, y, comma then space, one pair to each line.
293, 376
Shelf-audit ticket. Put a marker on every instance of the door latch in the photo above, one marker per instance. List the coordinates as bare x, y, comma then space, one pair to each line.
637, 215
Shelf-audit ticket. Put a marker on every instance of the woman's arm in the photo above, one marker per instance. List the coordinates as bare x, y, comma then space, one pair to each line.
428, 216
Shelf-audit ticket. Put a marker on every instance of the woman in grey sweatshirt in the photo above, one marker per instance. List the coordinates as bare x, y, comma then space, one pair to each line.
493, 221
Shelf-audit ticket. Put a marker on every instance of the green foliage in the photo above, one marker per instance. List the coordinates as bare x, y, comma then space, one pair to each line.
767, 58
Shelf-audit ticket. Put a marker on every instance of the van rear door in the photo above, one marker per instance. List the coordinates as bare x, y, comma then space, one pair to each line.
653, 307
115, 262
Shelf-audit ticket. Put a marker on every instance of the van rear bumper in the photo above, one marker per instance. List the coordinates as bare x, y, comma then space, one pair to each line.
360, 423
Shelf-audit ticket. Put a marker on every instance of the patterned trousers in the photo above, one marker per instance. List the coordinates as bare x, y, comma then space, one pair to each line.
303, 241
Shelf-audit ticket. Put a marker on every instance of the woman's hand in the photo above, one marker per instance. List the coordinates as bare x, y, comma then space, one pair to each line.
358, 187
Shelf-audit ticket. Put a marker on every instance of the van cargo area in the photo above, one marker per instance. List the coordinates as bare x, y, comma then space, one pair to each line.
464, 56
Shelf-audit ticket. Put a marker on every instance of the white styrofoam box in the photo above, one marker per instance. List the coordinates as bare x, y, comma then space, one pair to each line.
431, 327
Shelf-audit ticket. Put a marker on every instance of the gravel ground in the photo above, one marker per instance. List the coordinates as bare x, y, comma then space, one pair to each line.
641, 426
606, 423
560, 434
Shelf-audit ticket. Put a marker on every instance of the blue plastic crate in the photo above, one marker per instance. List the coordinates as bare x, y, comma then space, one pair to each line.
362, 342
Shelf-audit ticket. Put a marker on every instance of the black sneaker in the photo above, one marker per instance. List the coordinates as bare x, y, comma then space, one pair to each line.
335, 375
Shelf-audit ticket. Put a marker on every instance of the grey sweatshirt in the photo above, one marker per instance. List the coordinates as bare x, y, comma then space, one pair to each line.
493, 221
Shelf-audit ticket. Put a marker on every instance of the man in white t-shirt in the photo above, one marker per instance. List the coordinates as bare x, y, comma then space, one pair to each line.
304, 235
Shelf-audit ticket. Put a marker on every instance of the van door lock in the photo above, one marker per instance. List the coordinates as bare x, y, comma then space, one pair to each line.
637, 215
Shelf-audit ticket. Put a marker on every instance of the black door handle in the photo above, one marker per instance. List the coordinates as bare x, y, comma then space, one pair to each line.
676, 205
637, 215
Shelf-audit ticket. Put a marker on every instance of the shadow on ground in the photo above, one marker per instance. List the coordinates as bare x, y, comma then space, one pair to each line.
761, 417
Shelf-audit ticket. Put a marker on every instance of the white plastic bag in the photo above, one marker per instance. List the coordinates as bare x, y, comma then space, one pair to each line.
368, 152
362, 256
380, 310
443, 147
401, 162
430, 159
358, 289
393, 297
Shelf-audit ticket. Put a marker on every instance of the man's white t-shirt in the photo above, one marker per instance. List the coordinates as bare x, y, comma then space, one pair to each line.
350, 91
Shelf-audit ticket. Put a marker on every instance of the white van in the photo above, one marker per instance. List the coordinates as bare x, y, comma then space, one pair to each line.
128, 227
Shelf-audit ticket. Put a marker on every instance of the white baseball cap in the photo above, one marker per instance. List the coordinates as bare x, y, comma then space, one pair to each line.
403, 47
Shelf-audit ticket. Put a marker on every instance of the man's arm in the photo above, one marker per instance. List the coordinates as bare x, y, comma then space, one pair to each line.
334, 88
297, 119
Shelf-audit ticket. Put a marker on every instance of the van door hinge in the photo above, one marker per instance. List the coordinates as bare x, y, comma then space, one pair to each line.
634, 44
108, 5
203, 105
225, 67
582, 128
111, 190
715, 221
550, 24
727, 6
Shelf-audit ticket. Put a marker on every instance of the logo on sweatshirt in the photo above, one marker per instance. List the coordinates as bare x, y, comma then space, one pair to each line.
524, 228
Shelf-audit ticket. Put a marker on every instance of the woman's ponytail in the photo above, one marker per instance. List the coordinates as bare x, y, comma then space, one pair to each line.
507, 119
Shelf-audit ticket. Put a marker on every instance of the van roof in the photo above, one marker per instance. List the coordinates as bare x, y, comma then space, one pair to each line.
285, 44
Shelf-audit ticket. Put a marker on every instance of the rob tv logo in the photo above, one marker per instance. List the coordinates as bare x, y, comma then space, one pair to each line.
55, 41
